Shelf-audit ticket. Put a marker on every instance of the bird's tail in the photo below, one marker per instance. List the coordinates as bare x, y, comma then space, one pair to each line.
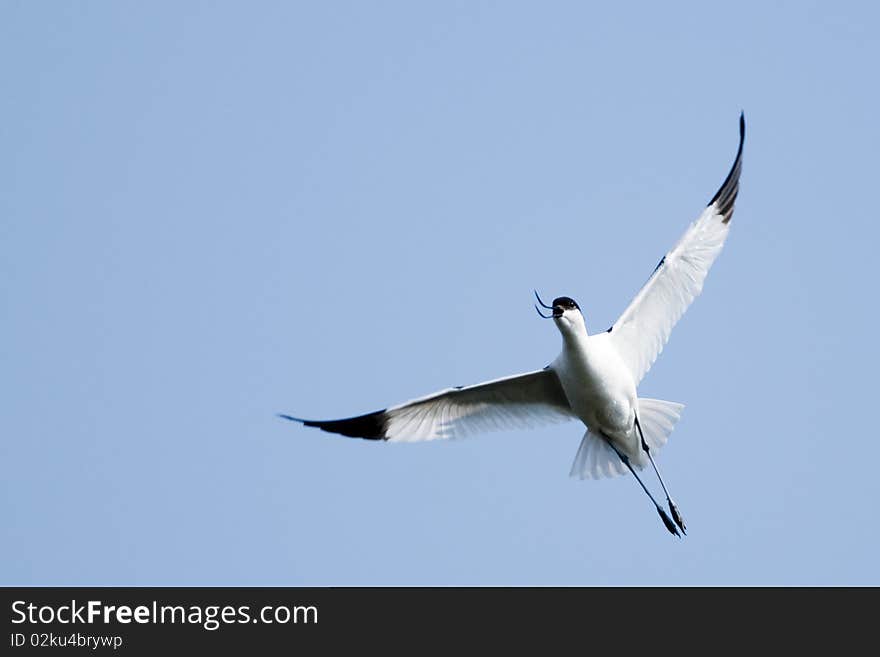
595, 459
657, 419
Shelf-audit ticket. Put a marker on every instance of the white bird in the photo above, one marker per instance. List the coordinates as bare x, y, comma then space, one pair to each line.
594, 378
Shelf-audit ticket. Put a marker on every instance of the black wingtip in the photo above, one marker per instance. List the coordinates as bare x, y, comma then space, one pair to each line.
371, 426
725, 197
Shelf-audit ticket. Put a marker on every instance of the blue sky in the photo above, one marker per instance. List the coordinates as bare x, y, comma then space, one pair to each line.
213, 212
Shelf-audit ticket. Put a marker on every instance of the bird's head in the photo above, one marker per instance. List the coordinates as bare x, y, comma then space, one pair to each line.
566, 314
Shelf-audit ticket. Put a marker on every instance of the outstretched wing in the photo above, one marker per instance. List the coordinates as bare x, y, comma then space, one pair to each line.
514, 402
644, 327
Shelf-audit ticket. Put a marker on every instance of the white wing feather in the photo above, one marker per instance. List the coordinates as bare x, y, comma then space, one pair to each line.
514, 402
643, 329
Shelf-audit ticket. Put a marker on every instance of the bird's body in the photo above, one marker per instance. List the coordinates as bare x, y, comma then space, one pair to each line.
595, 377
598, 385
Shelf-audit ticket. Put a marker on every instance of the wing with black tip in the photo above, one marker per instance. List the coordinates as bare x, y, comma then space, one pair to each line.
643, 329
515, 402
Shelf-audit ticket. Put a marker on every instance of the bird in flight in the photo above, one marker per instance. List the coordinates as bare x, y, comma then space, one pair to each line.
594, 378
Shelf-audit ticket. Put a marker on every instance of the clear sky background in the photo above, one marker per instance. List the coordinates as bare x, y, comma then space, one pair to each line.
212, 212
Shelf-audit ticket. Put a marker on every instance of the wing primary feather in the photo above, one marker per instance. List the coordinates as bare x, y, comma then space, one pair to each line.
371, 426
644, 327
512, 401
726, 194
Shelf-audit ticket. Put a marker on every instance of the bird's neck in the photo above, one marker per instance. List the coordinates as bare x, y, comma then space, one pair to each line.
574, 336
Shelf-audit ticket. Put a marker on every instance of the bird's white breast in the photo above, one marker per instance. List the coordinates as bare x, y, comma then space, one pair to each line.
598, 385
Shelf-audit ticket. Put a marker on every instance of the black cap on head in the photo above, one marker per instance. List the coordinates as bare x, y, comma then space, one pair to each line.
566, 303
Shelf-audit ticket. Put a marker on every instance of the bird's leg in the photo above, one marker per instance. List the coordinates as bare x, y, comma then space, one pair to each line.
672, 508
663, 516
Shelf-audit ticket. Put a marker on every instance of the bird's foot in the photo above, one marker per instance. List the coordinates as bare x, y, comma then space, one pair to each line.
676, 515
668, 522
